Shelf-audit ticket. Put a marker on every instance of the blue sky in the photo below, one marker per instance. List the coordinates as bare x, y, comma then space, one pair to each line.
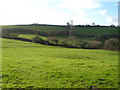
106, 14
102, 12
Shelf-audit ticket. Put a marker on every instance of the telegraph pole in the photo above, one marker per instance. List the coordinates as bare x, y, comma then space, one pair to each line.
71, 31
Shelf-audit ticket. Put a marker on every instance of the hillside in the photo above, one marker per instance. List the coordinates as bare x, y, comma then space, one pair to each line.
31, 65
83, 36
79, 30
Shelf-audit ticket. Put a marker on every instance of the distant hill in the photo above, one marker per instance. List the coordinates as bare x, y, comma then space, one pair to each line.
61, 29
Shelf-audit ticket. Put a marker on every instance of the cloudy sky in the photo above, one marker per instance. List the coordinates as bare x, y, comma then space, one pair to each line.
58, 12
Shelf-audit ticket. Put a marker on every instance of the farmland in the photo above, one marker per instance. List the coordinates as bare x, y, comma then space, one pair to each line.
32, 65
79, 30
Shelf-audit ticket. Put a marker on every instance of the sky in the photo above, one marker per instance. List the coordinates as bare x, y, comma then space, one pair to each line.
59, 12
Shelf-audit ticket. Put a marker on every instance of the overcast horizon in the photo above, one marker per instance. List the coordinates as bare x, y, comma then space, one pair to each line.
59, 12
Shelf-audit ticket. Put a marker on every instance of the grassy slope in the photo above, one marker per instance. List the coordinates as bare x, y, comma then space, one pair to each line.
28, 64
0, 62
96, 30
41, 28
78, 30
27, 36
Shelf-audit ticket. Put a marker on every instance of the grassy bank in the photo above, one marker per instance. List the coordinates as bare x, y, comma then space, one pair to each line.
31, 65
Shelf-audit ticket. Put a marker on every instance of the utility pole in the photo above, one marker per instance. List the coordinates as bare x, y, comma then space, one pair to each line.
71, 31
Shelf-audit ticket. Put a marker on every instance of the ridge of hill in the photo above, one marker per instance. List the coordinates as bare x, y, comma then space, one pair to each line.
79, 30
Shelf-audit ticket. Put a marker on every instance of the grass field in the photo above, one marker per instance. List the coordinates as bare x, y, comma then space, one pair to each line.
27, 36
31, 65
78, 30
41, 28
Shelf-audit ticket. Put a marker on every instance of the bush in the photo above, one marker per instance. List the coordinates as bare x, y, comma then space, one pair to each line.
102, 38
73, 41
10, 35
63, 42
111, 44
53, 40
81, 43
89, 44
69, 42
38, 39
84, 44
72, 38
95, 44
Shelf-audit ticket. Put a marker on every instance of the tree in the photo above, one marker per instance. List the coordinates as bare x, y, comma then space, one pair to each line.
68, 24
93, 24
112, 25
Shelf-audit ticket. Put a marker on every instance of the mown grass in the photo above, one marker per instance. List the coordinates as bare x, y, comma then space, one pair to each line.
31, 65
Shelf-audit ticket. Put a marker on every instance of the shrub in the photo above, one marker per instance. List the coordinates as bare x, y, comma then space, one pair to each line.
41, 33
70, 43
67, 43
72, 38
89, 44
95, 44
73, 41
38, 39
63, 42
10, 35
102, 38
53, 40
111, 44
84, 44
6, 35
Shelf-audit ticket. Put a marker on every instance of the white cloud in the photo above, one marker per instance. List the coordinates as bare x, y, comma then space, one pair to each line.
109, 19
40, 11
102, 12
76, 5
107, 0
112, 20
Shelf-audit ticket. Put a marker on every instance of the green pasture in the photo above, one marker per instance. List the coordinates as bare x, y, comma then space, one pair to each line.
31, 36
32, 65
78, 30
27, 36
95, 30
41, 28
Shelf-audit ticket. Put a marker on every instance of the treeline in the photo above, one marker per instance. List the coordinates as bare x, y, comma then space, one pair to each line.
73, 42
93, 26
87, 25
35, 24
